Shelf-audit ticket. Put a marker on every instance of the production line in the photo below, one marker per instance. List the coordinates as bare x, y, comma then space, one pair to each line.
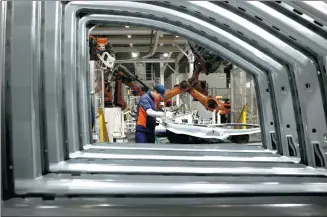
71, 108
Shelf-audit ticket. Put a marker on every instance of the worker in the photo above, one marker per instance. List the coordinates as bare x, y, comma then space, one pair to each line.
146, 114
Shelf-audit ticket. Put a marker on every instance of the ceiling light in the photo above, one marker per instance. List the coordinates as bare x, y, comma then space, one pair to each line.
129, 36
135, 54
127, 27
177, 36
131, 45
165, 55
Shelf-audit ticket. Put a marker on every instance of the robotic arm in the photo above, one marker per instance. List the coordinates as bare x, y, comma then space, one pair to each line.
124, 76
199, 89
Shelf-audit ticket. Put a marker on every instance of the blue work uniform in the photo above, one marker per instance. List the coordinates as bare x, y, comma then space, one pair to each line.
145, 125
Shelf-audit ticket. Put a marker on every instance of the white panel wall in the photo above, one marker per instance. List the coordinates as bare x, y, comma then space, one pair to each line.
140, 70
214, 80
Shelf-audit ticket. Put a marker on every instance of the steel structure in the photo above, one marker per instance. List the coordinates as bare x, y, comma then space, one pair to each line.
45, 113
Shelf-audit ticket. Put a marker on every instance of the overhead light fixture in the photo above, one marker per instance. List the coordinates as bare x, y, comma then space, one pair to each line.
165, 55
131, 45
127, 27
177, 36
129, 36
135, 54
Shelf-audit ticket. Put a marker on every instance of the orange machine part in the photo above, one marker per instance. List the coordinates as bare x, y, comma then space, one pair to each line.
119, 100
107, 96
201, 86
210, 103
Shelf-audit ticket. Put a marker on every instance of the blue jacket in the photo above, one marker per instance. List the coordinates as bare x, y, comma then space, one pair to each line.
145, 122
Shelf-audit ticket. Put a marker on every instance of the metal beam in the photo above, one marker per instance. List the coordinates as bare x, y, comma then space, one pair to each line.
53, 82
25, 88
144, 49
122, 31
145, 41
263, 96
88, 186
147, 61
182, 53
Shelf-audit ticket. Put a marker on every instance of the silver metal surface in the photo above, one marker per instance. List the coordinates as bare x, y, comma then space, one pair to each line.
279, 73
180, 206
182, 158
3, 24
264, 98
317, 10
164, 163
110, 187
314, 126
300, 64
208, 170
196, 148
157, 178
70, 87
172, 60
3, 20
53, 80
24, 86
180, 153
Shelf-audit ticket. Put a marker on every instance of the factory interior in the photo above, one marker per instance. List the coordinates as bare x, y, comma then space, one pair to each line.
163, 108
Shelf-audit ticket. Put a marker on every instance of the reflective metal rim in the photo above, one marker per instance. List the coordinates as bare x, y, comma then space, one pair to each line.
194, 148
53, 80
210, 170
261, 83
273, 158
304, 64
110, 187
307, 78
279, 72
156, 206
25, 88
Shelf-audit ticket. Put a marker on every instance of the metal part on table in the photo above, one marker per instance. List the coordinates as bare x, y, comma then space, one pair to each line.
221, 131
264, 97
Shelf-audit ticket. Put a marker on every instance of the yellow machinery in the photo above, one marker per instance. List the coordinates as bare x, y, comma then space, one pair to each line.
242, 118
103, 128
